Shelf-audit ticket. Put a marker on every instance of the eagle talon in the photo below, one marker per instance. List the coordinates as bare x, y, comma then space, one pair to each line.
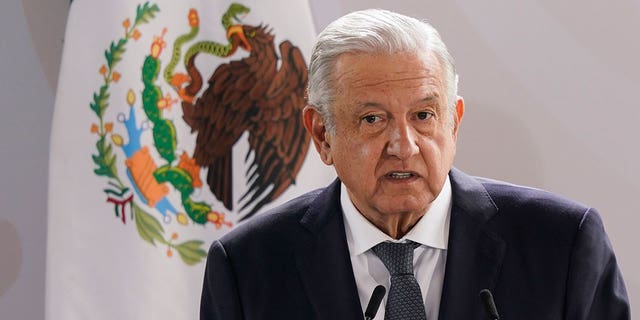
177, 81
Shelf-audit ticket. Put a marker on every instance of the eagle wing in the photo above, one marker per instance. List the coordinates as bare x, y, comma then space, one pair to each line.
277, 137
253, 94
220, 118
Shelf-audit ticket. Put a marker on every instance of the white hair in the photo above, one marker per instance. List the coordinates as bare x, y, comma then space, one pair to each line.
372, 31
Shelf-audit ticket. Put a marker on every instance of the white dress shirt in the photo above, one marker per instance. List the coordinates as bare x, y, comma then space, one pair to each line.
431, 232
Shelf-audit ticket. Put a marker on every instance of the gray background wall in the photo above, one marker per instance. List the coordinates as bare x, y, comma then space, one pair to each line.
549, 87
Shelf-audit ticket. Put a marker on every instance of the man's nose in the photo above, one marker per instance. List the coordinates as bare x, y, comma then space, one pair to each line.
402, 140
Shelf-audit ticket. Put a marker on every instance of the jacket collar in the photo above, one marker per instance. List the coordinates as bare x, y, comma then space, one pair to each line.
323, 259
475, 253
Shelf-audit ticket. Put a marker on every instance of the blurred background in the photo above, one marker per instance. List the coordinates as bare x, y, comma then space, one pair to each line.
549, 88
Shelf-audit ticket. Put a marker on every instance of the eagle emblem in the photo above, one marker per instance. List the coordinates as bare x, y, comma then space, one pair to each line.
262, 94
258, 93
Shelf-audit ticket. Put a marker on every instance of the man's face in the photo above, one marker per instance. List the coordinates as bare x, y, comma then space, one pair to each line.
394, 141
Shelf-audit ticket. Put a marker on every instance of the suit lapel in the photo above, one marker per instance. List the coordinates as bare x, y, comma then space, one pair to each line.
323, 259
474, 255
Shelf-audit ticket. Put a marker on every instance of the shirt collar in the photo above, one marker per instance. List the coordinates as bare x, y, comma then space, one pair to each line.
432, 229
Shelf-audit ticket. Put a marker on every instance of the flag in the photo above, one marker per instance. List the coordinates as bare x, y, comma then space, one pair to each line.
174, 122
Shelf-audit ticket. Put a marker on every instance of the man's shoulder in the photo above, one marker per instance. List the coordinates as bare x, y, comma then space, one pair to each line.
523, 212
529, 209
510, 194
281, 221
504, 195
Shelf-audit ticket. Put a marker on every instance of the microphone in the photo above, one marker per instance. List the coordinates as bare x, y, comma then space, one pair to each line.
489, 304
374, 302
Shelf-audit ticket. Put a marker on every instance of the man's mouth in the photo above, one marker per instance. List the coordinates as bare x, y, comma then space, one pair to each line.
400, 175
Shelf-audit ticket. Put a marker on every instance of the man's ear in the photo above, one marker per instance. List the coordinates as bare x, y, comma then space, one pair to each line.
315, 125
458, 116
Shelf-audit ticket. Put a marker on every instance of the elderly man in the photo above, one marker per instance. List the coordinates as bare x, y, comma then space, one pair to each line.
383, 110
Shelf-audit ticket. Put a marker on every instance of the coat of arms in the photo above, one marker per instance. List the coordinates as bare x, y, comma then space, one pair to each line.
256, 94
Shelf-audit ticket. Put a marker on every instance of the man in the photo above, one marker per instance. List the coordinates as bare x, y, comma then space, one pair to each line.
383, 110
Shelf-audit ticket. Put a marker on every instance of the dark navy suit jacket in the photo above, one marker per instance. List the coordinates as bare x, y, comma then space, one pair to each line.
542, 256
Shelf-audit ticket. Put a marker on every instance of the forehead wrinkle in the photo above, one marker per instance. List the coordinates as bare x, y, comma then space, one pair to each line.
340, 76
367, 83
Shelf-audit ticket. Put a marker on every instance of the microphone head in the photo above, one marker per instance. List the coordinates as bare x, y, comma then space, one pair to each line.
489, 304
374, 302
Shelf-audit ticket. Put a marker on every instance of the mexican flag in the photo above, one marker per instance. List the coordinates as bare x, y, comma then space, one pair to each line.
175, 121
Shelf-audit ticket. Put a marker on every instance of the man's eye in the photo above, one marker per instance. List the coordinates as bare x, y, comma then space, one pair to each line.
424, 115
371, 118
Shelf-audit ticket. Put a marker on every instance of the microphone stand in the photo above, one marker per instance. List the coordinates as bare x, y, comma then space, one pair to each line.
374, 302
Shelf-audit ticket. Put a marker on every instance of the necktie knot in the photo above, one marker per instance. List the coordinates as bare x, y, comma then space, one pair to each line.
397, 257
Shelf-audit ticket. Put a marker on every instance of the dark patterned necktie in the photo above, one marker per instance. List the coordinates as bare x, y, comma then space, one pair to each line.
404, 301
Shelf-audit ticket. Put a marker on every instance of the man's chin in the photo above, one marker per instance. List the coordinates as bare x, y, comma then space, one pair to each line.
404, 207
